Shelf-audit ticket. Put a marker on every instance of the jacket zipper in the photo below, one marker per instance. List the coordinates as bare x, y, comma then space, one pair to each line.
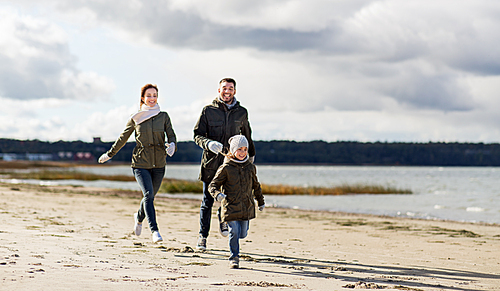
226, 137
153, 142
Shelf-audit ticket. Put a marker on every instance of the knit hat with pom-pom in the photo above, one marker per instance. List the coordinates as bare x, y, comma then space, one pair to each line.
237, 142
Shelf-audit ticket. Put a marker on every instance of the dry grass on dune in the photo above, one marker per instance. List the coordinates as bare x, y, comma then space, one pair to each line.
178, 185
188, 186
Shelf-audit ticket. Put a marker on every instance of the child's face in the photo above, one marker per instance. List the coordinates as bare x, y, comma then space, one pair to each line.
241, 153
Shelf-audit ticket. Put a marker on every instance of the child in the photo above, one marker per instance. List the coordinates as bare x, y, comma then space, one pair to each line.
236, 186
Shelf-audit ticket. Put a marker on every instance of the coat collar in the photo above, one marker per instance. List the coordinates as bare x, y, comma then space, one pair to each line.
233, 163
221, 105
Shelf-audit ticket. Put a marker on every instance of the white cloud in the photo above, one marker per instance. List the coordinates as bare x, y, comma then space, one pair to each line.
37, 63
107, 125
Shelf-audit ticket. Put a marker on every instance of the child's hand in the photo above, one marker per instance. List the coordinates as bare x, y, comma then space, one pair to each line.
262, 207
220, 197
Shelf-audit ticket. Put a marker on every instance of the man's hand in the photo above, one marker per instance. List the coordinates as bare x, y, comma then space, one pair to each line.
215, 146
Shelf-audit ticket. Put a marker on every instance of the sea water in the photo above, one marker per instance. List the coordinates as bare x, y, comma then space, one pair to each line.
469, 194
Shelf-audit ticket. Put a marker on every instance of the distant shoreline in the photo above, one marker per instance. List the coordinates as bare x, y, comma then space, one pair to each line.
170, 185
22, 164
275, 152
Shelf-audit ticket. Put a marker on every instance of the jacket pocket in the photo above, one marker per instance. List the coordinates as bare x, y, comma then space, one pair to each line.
215, 129
137, 152
158, 124
138, 155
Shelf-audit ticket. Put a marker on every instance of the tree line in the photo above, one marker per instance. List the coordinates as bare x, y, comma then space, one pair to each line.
292, 152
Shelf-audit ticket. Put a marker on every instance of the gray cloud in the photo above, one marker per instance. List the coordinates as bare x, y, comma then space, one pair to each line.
430, 92
180, 29
375, 43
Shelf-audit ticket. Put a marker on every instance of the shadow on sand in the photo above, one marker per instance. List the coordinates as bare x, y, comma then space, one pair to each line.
391, 276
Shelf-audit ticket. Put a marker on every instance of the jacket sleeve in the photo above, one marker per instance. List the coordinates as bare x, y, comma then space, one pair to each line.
201, 131
247, 132
122, 139
257, 190
220, 178
171, 137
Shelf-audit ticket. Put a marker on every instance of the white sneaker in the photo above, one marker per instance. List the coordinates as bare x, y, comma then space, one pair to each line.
234, 263
157, 237
202, 243
138, 225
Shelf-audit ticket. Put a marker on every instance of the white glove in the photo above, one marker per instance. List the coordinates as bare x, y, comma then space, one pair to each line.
104, 158
252, 159
170, 148
220, 197
215, 147
262, 207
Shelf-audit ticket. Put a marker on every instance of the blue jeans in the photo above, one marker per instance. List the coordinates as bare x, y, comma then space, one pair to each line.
206, 211
149, 180
238, 229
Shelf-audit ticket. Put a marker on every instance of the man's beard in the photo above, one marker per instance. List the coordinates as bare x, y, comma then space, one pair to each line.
230, 101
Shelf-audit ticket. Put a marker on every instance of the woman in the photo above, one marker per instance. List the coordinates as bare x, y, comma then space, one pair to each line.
149, 155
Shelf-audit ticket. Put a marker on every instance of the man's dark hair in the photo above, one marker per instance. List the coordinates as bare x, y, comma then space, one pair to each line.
228, 80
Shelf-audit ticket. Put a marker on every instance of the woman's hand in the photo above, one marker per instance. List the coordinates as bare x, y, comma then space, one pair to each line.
170, 148
104, 158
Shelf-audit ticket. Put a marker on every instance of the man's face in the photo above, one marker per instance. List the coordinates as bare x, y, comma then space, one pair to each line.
226, 92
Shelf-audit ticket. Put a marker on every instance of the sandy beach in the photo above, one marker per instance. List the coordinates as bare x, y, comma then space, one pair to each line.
74, 238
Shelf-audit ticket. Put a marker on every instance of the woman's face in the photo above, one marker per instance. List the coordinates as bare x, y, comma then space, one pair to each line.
150, 97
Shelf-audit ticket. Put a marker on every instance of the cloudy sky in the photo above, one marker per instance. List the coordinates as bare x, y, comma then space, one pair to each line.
333, 70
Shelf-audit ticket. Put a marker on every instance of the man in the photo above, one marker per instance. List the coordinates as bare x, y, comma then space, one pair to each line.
217, 123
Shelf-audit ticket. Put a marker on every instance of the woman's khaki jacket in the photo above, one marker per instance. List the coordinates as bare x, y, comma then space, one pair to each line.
149, 151
240, 184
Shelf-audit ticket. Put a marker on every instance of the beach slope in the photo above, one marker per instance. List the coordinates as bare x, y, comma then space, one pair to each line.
69, 238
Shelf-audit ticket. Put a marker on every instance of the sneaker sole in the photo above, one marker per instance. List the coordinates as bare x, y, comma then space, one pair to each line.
138, 233
137, 228
224, 231
158, 240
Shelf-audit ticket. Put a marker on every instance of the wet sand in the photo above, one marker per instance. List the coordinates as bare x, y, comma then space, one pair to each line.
67, 238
